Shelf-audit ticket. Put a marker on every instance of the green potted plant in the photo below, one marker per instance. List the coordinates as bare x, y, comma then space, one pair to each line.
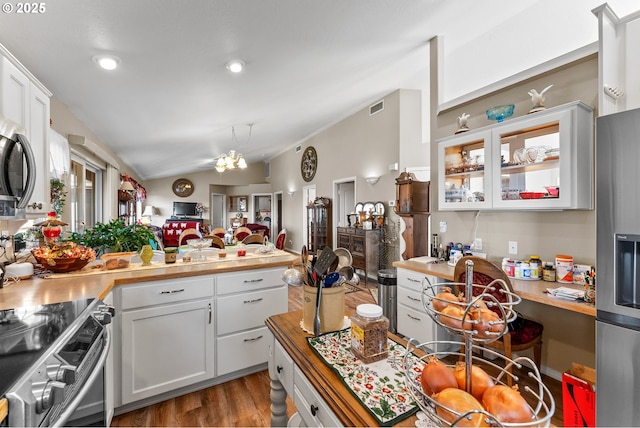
114, 236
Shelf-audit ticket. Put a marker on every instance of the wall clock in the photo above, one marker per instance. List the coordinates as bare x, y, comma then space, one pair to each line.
182, 187
309, 163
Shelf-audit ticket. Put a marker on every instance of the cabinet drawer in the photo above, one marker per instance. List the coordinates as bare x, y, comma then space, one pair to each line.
413, 280
249, 310
410, 298
249, 280
415, 324
314, 411
242, 350
283, 365
166, 291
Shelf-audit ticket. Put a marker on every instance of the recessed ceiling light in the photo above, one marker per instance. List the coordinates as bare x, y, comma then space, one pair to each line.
235, 66
106, 62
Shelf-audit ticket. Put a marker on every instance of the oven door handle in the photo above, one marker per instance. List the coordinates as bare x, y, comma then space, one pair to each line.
73, 405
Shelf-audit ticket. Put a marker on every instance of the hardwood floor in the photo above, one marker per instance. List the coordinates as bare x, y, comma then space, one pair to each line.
245, 402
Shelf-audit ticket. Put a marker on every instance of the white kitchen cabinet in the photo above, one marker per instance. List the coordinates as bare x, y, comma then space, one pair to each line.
498, 166
243, 301
618, 60
167, 336
25, 101
413, 319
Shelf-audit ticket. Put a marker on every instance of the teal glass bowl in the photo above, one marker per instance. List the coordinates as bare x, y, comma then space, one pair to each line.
500, 113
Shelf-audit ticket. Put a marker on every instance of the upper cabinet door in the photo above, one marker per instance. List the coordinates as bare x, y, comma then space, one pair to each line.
464, 165
541, 161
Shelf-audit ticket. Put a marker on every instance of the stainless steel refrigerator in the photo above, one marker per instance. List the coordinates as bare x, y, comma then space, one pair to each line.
618, 269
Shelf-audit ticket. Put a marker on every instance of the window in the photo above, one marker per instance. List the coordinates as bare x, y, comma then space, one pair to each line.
85, 184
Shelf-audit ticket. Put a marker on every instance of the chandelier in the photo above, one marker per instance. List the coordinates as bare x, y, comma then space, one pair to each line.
233, 160
230, 161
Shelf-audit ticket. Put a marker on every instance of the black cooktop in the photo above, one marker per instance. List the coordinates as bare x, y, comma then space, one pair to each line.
27, 332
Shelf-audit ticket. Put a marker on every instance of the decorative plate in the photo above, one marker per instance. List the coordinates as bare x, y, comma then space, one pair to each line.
182, 187
379, 208
309, 163
358, 208
368, 207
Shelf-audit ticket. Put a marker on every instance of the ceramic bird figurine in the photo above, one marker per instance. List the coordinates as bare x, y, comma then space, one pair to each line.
538, 99
462, 123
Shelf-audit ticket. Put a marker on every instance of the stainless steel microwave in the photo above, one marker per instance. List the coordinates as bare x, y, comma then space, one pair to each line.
17, 171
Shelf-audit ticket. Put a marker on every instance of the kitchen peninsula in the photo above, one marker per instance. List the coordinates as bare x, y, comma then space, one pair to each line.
178, 327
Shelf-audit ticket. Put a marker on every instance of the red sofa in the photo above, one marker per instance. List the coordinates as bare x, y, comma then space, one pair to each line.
171, 231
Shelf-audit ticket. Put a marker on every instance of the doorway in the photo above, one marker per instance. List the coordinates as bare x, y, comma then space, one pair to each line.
218, 212
344, 196
276, 215
263, 210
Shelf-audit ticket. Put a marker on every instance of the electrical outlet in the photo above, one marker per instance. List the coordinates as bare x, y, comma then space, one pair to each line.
477, 244
513, 247
392, 203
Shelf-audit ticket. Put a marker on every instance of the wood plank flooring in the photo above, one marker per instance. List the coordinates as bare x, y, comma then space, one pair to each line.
245, 402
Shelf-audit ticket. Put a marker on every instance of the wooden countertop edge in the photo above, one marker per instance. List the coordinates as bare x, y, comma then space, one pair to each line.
534, 291
38, 291
286, 329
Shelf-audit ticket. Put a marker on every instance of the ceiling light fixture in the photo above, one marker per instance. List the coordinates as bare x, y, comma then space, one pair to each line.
106, 62
230, 161
235, 66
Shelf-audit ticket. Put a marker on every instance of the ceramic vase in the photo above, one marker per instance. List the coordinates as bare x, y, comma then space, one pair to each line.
146, 254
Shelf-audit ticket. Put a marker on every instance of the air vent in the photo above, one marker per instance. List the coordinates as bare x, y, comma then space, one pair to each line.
377, 107
267, 169
298, 148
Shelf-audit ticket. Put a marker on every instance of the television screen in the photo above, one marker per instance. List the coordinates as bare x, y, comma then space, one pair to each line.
184, 209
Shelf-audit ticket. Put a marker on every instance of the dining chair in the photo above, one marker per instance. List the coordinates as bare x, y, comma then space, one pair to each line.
216, 241
189, 234
253, 239
281, 240
523, 333
241, 233
219, 232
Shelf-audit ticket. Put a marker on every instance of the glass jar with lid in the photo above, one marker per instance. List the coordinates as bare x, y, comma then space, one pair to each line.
369, 329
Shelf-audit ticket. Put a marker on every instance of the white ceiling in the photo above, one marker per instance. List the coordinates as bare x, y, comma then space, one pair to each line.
170, 107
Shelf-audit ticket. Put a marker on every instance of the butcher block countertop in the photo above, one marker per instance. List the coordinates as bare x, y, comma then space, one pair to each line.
56, 288
534, 291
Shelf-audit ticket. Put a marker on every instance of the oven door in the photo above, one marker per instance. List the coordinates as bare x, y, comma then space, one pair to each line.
88, 408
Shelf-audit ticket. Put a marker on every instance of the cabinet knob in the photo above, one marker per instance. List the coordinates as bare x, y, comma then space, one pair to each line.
279, 368
314, 410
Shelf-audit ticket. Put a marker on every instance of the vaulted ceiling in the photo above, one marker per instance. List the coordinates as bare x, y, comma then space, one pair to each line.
170, 106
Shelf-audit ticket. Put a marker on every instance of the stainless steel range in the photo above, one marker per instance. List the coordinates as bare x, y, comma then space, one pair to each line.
50, 356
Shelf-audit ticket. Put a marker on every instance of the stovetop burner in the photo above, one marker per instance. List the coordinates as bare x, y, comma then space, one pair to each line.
27, 332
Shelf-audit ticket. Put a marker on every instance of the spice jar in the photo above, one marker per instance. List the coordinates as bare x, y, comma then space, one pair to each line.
170, 254
549, 273
536, 266
369, 329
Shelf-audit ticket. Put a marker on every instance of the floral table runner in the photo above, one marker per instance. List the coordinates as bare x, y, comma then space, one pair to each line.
380, 386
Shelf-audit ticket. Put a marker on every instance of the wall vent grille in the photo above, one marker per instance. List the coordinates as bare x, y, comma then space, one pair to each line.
376, 108
298, 148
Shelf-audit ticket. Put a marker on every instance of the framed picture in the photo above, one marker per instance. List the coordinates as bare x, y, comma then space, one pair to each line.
238, 203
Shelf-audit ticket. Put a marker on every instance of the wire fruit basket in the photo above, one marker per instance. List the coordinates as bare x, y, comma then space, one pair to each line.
497, 298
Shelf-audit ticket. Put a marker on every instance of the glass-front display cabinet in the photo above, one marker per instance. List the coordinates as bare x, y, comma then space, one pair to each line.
464, 163
541, 161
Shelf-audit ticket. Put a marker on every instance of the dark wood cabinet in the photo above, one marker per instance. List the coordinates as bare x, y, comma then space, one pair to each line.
364, 246
413, 206
318, 228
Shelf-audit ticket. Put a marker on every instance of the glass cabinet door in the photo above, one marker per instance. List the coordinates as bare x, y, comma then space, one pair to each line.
464, 171
534, 157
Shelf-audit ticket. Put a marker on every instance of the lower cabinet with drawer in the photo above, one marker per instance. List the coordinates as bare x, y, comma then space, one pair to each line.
244, 300
167, 331
413, 319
